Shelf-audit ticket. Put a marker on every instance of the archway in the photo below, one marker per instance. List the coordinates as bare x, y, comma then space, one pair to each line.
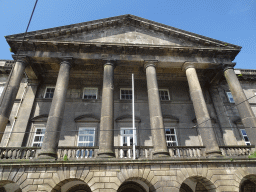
71, 185
197, 184
130, 186
248, 184
9, 186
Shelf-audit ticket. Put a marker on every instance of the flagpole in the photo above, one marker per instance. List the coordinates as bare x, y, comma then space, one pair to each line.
133, 118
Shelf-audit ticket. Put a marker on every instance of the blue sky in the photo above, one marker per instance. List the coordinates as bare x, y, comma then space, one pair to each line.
232, 21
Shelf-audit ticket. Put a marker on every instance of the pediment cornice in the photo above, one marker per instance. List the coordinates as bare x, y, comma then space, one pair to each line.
123, 20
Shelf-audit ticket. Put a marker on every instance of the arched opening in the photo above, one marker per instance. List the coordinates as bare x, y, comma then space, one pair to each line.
248, 184
185, 188
197, 184
130, 186
71, 185
9, 186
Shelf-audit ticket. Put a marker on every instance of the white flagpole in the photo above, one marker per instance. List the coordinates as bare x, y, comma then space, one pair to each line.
133, 118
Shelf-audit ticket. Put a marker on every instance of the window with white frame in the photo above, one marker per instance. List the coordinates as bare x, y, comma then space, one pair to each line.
90, 93
49, 91
1, 89
245, 137
38, 137
86, 138
164, 94
125, 94
230, 97
171, 137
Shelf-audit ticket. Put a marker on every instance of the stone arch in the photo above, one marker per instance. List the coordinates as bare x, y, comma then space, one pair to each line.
71, 185
9, 186
248, 183
198, 184
140, 175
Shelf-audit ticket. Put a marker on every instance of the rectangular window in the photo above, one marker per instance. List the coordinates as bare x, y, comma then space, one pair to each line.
126, 139
49, 92
90, 93
170, 136
1, 89
125, 94
245, 137
86, 138
38, 137
164, 94
230, 97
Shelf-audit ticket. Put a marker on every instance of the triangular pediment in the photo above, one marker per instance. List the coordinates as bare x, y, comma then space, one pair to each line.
125, 29
125, 35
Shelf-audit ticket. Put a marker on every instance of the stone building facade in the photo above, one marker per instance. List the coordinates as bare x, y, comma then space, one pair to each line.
66, 111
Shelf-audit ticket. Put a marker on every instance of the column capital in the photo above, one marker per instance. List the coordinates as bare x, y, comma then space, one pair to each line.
21, 58
187, 65
109, 62
150, 63
226, 66
66, 60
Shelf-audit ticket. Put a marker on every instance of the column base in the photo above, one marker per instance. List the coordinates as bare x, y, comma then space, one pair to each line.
45, 155
161, 154
106, 155
214, 153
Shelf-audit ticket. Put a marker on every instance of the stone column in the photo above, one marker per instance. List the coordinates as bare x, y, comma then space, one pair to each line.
156, 118
106, 142
53, 126
203, 119
10, 93
242, 104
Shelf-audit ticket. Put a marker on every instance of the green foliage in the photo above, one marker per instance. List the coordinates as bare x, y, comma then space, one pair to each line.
252, 155
226, 44
65, 158
10, 49
240, 75
231, 159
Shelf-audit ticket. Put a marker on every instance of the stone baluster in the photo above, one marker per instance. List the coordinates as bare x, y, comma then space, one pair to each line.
53, 126
156, 118
243, 106
203, 119
10, 92
106, 142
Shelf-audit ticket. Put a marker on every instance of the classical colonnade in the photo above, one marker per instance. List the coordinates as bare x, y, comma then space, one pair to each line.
106, 141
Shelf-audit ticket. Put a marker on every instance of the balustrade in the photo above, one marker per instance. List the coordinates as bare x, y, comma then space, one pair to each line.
123, 152
18, 152
77, 152
240, 151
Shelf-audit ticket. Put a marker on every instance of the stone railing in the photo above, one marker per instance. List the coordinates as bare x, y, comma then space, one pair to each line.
123, 152
77, 152
18, 152
186, 151
142, 152
236, 151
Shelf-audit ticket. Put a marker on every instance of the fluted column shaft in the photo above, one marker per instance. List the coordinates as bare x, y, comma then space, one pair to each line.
106, 142
203, 119
54, 122
10, 94
242, 104
156, 118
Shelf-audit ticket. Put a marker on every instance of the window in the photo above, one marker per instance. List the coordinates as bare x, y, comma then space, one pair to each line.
49, 92
170, 136
164, 94
125, 94
246, 139
86, 137
1, 89
38, 137
230, 97
90, 93
126, 139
